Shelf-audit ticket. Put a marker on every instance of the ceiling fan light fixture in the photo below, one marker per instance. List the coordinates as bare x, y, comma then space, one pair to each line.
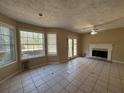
93, 32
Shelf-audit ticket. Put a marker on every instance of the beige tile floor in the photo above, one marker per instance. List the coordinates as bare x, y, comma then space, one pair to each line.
80, 75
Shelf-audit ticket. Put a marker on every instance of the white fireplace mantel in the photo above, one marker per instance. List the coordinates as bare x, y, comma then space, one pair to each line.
108, 47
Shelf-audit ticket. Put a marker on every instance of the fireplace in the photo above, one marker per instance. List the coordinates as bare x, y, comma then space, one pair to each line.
100, 51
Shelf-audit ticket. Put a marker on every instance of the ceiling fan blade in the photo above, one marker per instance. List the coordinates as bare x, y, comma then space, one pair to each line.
109, 22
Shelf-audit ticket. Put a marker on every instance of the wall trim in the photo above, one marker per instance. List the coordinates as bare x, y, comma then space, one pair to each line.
36, 66
116, 61
10, 76
4, 66
51, 63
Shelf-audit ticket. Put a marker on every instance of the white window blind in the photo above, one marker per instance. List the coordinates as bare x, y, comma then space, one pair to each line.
70, 48
52, 44
7, 45
32, 44
75, 47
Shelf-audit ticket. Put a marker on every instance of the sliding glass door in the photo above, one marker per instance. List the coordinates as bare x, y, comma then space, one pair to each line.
72, 47
75, 47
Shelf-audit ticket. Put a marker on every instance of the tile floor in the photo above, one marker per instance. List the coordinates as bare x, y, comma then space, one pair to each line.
80, 75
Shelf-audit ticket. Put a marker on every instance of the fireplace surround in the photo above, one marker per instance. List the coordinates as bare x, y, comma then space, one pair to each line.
100, 51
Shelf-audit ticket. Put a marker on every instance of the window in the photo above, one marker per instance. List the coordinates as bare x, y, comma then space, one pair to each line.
32, 44
72, 47
75, 47
7, 45
52, 44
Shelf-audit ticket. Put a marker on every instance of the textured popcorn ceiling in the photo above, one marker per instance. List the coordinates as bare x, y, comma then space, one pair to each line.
75, 15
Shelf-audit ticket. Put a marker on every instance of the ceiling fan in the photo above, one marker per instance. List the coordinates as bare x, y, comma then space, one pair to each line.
94, 29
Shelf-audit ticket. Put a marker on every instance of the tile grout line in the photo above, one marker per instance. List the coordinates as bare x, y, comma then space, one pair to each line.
98, 78
61, 73
87, 65
72, 80
22, 84
120, 78
89, 73
9, 87
46, 82
108, 77
34, 82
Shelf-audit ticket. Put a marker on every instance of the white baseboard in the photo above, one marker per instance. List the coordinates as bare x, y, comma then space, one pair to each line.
8, 77
116, 61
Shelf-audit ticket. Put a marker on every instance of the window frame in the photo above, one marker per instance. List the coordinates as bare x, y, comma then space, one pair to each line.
74, 47
70, 47
33, 31
56, 43
72, 39
11, 28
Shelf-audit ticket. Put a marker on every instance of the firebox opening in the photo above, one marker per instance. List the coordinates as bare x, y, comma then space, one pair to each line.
100, 53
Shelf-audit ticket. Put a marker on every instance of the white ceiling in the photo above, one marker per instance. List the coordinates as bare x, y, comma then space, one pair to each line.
75, 15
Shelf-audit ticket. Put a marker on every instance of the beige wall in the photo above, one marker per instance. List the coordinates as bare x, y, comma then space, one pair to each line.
9, 70
63, 46
61, 57
13, 68
62, 35
114, 36
34, 62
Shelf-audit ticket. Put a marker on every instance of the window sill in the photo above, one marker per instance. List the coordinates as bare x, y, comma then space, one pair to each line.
3, 66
